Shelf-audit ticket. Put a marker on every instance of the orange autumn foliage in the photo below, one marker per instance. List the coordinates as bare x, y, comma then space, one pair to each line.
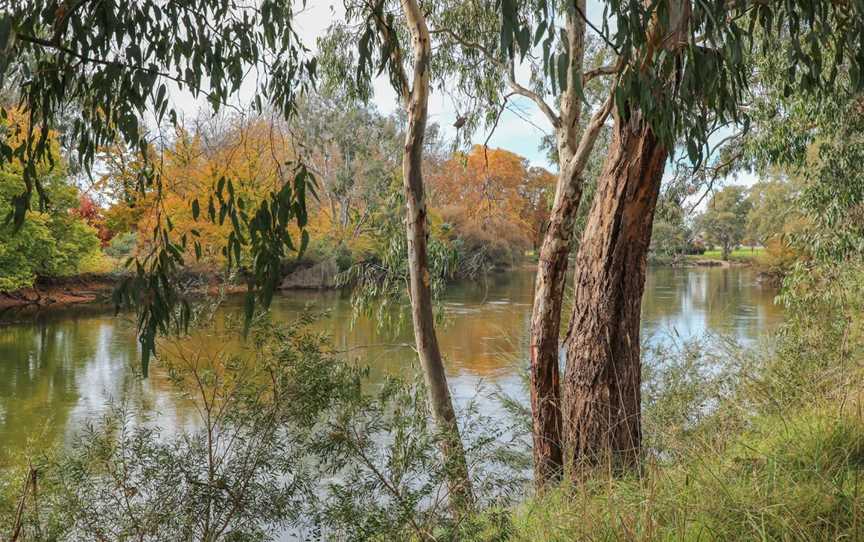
492, 196
254, 154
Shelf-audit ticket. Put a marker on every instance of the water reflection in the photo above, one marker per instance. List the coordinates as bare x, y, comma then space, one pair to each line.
693, 302
61, 369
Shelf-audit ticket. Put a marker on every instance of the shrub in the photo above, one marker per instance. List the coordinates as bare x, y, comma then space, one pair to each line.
288, 435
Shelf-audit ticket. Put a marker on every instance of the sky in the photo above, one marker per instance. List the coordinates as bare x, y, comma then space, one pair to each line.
513, 133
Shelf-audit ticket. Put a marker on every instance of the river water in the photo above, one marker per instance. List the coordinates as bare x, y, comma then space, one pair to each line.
60, 369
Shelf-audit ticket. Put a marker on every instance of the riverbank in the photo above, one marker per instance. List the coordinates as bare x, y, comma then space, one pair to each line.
711, 258
783, 445
741, 256
745, 443
62, 291
88, 288
92, 288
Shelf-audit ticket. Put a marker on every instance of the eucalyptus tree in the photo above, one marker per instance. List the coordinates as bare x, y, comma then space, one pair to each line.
774, 209
686, 72
683, 74
480, 53
382, 29
816, 140
99, 68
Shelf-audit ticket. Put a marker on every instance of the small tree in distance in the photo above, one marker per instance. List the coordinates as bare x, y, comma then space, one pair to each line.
724, 222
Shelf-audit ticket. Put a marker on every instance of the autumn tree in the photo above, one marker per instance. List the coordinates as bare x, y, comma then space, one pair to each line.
57, 240
88, 58
537, 192
249, 149
493, 199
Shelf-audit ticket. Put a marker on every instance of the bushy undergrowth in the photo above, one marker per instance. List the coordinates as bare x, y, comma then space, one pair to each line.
288, 436
765, 443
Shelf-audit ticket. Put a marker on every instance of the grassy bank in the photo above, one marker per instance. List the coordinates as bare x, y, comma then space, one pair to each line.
786, 477
741, 256
759, 444
738, 255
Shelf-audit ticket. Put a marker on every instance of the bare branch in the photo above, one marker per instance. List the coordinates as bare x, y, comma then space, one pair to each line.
603, 36
598, 72
533, 96
511, 79
494, 127
716, 172
470, 45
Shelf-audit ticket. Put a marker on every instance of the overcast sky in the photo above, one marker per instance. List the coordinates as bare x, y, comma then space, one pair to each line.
513, 133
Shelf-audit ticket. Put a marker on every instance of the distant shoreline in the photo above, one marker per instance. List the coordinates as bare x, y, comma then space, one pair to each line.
62, 291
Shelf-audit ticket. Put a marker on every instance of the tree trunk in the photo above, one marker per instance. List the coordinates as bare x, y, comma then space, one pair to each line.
548, 298
426, 339
552, 266
602, 379
545, 330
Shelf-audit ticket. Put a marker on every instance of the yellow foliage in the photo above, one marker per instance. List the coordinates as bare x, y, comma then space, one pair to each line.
491, 195
253, 154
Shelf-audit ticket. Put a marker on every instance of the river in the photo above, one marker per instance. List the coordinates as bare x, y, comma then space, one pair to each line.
60, 369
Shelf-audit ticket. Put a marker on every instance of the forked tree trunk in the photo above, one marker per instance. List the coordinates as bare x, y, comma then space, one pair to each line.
548, 298
423, 318
574, 146
602, 379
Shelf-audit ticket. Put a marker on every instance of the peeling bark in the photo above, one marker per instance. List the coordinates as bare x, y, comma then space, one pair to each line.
545, 329
549, 295
603, 374
552, 270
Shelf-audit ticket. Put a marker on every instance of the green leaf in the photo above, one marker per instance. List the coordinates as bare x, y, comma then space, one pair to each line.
563, 62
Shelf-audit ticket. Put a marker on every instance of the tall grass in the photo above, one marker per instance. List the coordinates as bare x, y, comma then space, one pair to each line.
759, 444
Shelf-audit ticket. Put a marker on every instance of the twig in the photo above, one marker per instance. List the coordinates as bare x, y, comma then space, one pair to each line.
30, 481
595, 29
494, 127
